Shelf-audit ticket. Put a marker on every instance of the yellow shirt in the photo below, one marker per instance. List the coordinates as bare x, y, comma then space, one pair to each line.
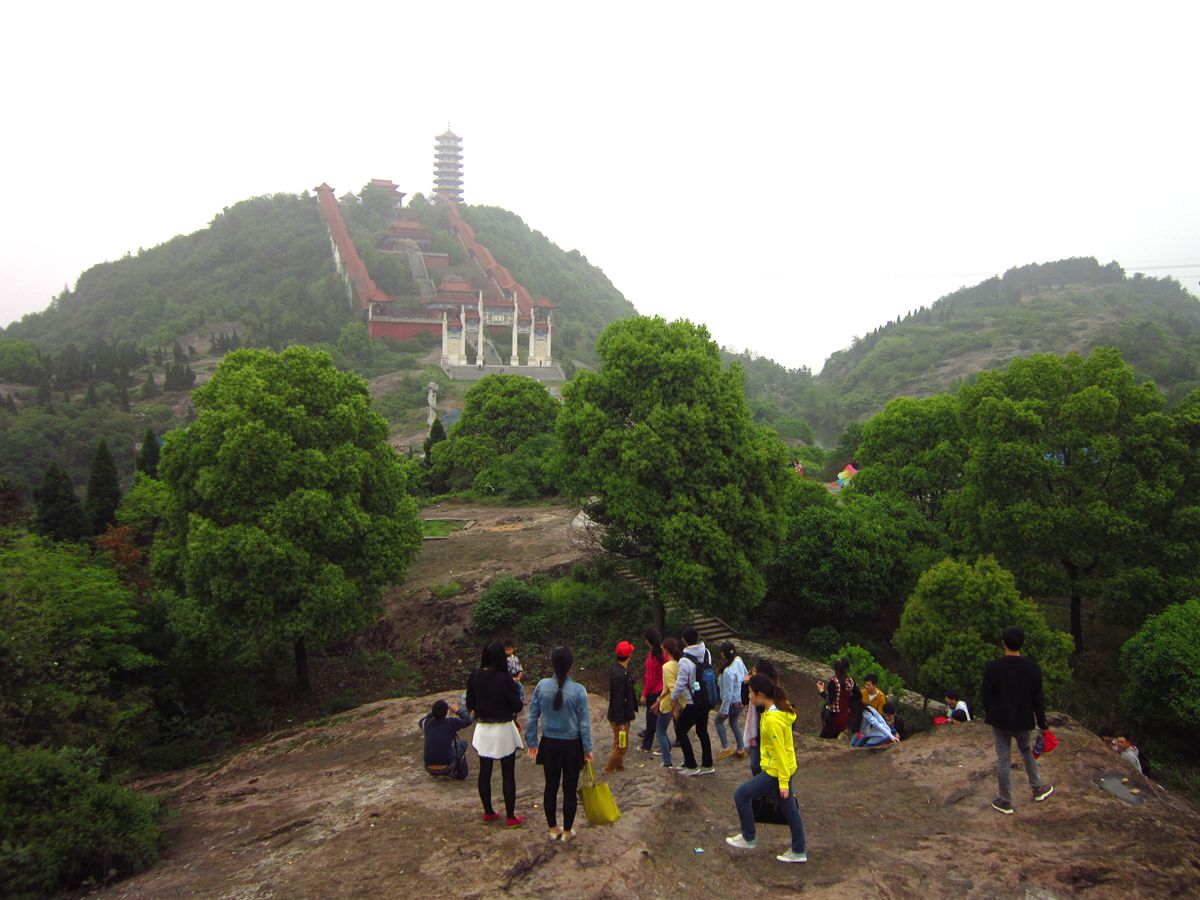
670, 676
880, 699
778, 751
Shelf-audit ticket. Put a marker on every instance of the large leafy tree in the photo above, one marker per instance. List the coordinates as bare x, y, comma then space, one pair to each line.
915, 448
1071, 461
501, 413
952, 623
288, 510
659, 444
842, 562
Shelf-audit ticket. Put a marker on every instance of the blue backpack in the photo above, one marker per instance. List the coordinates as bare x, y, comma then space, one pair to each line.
706, 692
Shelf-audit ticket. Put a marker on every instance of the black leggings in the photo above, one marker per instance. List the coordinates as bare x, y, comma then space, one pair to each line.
570, 784
508, 774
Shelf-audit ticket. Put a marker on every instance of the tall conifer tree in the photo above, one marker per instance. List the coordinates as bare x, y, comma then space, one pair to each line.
59, 514
103, 490
147, 459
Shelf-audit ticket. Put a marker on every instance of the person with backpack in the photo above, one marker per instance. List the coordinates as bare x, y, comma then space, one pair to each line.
732, 671
1013, 699
778, 767
696, 678
622, 706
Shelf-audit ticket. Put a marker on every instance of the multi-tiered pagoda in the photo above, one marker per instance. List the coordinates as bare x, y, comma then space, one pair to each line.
447, 167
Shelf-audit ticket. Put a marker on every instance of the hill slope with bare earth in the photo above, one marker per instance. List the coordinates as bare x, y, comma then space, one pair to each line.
344, 809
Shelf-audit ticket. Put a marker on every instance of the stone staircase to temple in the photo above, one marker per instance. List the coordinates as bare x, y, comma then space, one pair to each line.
416, 266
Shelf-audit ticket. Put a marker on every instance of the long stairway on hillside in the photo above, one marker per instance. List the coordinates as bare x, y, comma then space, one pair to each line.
712, 630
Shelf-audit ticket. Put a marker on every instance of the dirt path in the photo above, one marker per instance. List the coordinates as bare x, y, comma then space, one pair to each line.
516, 541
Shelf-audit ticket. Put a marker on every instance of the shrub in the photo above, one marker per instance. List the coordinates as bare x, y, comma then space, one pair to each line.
502, 605
822, 639
951, 627
862, 664
1162, 661
447, 590
61, 824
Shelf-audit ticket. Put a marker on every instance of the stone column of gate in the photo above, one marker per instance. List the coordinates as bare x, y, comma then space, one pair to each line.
549, 336
462, 344
445, 338
516, 350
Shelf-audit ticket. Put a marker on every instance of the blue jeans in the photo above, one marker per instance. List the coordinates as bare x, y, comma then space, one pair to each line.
664, 740
859, 741
755, 758
762, 785
732, 717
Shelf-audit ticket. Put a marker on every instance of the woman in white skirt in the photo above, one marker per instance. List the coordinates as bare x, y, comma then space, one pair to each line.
493, 697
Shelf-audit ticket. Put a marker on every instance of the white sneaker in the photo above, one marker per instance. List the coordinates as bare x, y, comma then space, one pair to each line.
705, 770
740, 842
792, 856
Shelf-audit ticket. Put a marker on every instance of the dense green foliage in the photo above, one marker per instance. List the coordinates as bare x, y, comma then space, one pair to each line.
262, 263
496, 448
288, 510
660, 445
62, 823
1071, 462
147, 458
951, 627
843, 562
502, 605
1161, 664
68, 633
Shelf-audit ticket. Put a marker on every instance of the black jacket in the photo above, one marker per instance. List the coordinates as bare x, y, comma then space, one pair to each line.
622, 695
1012, 694
493, 696
440, 735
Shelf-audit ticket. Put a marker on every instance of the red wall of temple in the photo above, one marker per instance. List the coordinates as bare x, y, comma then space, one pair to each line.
437, 260
403, 331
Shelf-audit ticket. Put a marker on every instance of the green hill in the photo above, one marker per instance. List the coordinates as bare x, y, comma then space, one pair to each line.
1057, 307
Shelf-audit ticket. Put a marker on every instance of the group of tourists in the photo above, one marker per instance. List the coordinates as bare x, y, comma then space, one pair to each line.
682, 685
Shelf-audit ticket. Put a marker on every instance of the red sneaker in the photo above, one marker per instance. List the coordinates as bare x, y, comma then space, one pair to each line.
491, 817
513, 821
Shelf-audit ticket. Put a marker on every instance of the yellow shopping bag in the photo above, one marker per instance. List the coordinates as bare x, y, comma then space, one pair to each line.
597, 799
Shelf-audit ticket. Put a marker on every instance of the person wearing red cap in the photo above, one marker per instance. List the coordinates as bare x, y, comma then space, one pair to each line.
622, 706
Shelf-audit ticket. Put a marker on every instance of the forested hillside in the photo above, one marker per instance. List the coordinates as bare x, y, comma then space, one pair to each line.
263, 263
1058, 307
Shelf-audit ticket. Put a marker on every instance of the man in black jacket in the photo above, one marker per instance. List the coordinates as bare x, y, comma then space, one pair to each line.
622, 706
1012, 696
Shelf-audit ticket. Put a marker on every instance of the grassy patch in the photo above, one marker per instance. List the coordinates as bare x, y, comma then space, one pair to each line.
442, 527
447, 590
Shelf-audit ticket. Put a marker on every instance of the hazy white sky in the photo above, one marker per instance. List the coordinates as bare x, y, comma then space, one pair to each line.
791, 176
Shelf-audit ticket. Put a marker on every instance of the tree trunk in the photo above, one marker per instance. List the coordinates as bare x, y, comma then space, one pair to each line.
302, 682
1076, 617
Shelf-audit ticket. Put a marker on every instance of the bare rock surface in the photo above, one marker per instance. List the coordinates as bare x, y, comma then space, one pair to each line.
343, 808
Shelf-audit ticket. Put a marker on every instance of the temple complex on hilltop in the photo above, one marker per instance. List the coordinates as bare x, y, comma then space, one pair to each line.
463, 312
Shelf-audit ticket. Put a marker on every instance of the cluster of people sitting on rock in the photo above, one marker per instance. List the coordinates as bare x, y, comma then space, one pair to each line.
681, 686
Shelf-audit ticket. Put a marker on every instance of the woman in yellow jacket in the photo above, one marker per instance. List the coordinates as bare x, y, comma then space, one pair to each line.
662, 706
778, 767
